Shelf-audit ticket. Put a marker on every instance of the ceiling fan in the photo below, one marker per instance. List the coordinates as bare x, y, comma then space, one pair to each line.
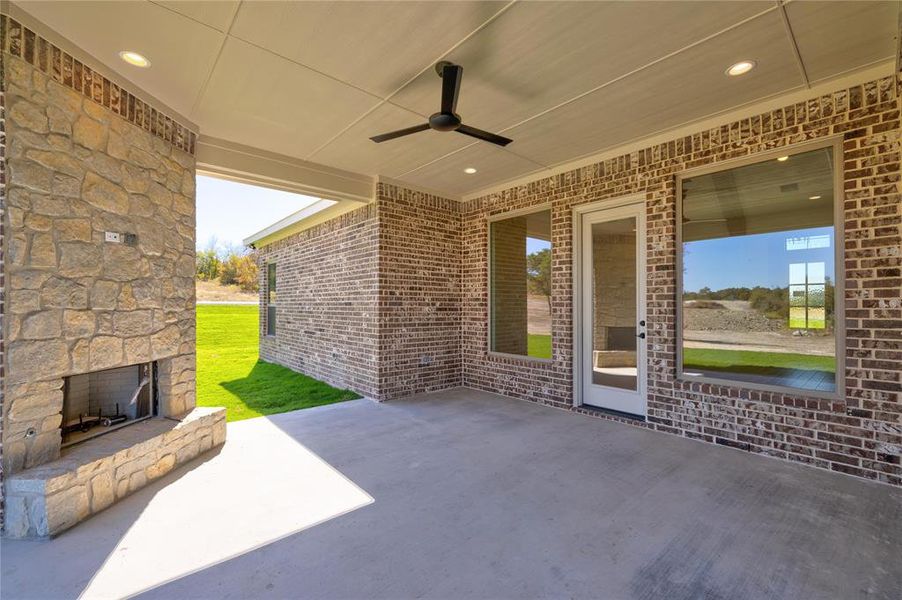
447, 119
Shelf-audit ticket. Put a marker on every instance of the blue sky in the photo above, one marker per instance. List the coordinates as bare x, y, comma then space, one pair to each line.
750, 260
231, 211
534, 245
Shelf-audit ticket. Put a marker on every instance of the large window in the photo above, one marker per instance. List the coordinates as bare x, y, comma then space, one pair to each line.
758, 262
520, 282
271, 299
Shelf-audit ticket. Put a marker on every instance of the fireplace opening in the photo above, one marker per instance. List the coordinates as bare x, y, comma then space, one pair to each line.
103, 401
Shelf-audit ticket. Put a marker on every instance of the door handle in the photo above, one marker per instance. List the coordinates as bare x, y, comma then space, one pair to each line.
642, 323
641, 336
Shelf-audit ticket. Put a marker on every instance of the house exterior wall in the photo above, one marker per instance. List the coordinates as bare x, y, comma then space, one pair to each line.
860, 433
419, 292
402, 308
86, 157
369, 301
326, 305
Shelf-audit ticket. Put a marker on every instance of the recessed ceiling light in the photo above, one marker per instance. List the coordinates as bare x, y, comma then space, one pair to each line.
814, 197
469, 170
135, 59
783, 159
741, 68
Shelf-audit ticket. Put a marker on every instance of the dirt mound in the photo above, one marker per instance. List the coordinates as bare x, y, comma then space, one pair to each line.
724, 319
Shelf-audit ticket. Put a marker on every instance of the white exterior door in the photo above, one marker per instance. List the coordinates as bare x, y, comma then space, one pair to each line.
612, 321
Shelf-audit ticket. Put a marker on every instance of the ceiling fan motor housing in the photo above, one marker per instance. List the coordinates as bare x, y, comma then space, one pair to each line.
444, 121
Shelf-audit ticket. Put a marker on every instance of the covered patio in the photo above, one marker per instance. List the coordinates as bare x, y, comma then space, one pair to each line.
463, 493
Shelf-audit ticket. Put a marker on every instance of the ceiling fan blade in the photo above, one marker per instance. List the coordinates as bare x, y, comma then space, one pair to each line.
479, 134
451, 76
399, 133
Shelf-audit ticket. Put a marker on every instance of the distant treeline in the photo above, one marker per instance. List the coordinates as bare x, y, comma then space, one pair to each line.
230, 267
773, 302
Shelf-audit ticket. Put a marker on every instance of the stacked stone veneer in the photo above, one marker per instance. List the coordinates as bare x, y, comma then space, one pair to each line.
370, 301
859, 433
77, 303
614, 285
84, 157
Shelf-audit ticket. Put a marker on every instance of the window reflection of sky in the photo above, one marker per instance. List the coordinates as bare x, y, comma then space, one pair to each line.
534, 245
754, 260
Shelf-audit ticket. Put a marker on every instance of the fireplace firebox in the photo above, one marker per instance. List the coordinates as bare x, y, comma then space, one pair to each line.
102, 401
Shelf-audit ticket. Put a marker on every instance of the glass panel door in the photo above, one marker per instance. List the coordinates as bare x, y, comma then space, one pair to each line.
613, 327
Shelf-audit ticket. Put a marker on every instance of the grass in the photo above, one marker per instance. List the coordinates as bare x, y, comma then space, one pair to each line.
230, 374
750, 361
538, 346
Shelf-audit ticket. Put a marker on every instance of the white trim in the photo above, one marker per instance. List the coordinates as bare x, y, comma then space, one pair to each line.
822, 87
577, 212
312, 220
291, 219
246, 164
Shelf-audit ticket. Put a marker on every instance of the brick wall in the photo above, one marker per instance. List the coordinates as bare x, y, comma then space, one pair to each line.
419, 292
510, 316
369, 301
326, 315
861, 434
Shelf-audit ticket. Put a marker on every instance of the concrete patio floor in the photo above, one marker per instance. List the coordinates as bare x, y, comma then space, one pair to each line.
468, 494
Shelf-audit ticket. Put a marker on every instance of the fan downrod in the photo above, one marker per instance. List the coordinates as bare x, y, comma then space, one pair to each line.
440, 67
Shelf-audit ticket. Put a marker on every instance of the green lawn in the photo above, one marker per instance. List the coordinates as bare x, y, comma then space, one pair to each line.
229, 373
538, 346
749, 361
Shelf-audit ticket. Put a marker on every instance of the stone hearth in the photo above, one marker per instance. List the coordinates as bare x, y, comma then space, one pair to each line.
89, 477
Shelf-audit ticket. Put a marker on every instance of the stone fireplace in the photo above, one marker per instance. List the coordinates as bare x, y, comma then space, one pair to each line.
99, 309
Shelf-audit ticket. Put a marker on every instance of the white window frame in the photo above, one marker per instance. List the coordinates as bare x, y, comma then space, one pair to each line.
836, 143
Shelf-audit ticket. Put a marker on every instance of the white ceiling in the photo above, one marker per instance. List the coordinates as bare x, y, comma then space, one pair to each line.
314, 80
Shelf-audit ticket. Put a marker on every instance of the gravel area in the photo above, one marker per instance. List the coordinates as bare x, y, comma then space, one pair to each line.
725, 319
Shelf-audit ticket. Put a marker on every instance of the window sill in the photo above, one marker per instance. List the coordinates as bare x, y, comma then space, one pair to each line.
532, 359
759, 387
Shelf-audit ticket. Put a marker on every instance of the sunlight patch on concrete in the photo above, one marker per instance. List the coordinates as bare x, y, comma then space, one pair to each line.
263, 486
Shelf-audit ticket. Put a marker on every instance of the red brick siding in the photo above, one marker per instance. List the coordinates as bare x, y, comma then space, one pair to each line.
370, 300
327, 286
419, 292
510, 318
860, 434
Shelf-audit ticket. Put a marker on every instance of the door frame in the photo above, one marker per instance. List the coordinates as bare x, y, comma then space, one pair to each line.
578, 287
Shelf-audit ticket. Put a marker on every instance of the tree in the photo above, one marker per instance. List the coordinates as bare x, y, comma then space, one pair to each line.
247, 273
240, 270
207, 265
538, 273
